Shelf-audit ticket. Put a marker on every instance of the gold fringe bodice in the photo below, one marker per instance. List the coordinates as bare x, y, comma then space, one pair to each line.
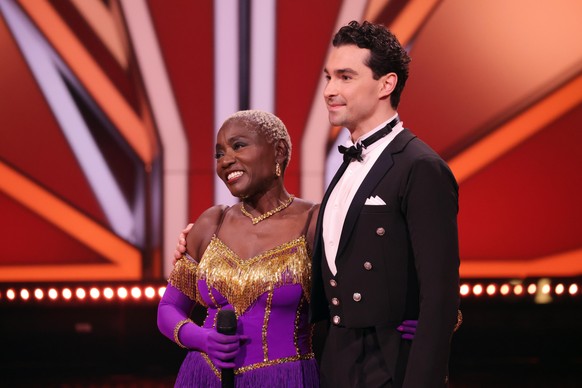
242, 281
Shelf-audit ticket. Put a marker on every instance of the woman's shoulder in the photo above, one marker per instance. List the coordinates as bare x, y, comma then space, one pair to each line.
203, 229
211, 216
306, 205
309, 211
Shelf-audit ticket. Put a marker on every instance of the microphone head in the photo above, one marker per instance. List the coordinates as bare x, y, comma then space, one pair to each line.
226, 322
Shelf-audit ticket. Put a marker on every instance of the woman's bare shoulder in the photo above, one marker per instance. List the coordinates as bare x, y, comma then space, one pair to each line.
306, 205
211, 216
310, 212
203, 230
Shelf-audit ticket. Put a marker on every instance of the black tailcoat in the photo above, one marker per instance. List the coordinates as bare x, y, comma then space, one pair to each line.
397, 261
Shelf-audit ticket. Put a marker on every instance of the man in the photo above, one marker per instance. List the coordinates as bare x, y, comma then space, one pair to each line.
386, 247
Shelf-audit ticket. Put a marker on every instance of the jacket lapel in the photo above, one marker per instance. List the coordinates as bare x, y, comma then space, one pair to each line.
378, 171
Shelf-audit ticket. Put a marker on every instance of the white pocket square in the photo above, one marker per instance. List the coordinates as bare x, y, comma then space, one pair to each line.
375, 201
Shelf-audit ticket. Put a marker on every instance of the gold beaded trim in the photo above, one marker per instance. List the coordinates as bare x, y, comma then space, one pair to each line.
268, 214
213, 301
211, 365
278, 361
177, 330
259, 365
266, 325
297, 318
183, 276
459, 321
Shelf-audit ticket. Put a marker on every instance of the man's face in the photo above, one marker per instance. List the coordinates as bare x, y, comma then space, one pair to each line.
352, 95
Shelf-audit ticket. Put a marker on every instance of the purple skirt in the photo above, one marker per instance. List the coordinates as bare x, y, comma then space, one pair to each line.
196, 372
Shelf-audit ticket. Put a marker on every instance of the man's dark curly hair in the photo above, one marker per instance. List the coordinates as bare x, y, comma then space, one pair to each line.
387, 55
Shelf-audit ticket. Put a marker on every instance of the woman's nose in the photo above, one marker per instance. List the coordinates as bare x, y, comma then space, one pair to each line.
227, 159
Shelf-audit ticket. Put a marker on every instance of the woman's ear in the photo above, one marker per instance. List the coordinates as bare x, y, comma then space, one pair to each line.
281, 151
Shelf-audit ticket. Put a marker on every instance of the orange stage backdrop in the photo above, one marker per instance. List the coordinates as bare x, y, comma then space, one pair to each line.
109, 110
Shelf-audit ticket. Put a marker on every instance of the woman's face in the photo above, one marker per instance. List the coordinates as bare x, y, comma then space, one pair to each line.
244, 160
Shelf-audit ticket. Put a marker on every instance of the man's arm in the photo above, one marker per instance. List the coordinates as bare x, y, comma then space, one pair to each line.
431, 205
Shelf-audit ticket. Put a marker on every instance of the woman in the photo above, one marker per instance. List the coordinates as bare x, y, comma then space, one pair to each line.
253, 258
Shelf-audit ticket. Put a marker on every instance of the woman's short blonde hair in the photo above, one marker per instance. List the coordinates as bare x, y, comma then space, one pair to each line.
265, 124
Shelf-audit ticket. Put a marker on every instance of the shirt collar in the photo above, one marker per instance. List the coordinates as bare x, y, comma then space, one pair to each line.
349, 142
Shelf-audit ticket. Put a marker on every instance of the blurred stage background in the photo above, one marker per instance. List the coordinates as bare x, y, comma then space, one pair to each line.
109, 110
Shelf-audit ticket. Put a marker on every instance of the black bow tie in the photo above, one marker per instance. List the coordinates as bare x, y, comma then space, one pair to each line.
355, 151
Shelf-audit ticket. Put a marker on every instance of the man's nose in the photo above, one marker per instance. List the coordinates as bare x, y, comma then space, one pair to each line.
330, 89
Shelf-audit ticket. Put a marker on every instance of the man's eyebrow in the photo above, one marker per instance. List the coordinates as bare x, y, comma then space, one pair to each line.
342, 71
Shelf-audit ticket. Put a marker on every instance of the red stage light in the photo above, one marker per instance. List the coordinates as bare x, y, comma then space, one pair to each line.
53, 294
504, 289
80, 293
150, 292
161, 291
24, 294
491, 289
38, 294
136, 292
122, 292
477, 289
108, 293
94, 293
67, 293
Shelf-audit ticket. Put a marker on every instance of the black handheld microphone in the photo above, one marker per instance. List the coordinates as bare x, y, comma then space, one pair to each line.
226, 324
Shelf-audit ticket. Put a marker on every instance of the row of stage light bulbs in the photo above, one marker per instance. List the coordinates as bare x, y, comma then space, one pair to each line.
82, 294
541, 290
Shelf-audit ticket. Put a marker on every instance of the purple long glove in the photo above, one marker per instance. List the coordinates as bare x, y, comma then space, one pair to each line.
174, 307
408, 329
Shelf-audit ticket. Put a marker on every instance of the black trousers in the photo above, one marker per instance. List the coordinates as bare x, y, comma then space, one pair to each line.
352, 358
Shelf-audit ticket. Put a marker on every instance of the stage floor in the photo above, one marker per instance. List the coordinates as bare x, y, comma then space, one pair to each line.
500, 344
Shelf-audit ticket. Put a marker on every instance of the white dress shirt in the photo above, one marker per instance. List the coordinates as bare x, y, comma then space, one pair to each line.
343, 193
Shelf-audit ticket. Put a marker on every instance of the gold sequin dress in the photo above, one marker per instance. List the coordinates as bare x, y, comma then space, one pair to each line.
269, 294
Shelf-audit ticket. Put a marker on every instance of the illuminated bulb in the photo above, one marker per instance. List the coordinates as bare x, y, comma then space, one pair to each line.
81, 294
150, 292
477, 289
122, 292
94, 293
53, 294
491, 289
38, 294
67, 294
504, 289
24, 294
560, 289
161, 291
108, 293
543, 293
531, 289
136, 292
573, 289
464, 289
11, 294
518, 289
